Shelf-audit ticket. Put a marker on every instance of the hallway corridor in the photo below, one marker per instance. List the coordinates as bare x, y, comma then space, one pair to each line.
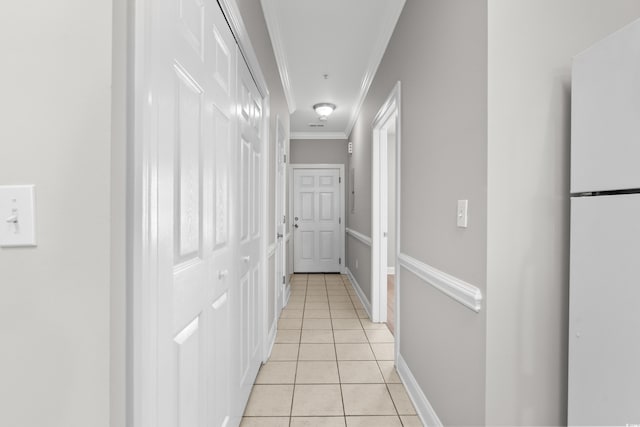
330, 365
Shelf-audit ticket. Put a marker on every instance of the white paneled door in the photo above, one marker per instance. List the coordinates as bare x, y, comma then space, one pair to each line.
203, 117
281, 223
249, 312
317, 222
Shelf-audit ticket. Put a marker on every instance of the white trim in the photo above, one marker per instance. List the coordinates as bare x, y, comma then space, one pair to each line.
234, 18
318, 135
424, 409
142, 185
461, 291
343, 212
287, 294
265, 252
377, 53
391, 270
280, 213
271, 250
359, 236
388, 115
356, 286
271, 340
273, 26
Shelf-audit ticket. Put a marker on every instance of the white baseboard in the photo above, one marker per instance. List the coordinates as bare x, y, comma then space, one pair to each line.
287, 294
423, 407
271, 340
356, 286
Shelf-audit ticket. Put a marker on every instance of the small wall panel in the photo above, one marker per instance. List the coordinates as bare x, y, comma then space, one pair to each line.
189, 397
188, 172
245, 195
245, 317
326, 206
307, 206
222, 132
191, 13
326, 239
220, 381
308, 244
255, 193
325, 181
222, 63
255, 318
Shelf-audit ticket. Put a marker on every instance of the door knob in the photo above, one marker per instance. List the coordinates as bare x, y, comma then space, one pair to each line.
279, 235
295, 225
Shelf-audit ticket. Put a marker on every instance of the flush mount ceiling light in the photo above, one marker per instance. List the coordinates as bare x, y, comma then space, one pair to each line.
324, 110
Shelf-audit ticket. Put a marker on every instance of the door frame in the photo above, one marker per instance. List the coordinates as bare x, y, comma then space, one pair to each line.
281, 211
390, 110
295, 166
142, 190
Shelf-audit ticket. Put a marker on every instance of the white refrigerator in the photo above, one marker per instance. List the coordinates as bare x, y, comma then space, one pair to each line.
604, 319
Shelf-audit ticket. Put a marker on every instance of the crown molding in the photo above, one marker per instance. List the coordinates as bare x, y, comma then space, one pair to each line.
273, 27
374, 61
318, 135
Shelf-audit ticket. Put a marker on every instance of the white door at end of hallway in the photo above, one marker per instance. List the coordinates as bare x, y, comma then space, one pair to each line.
316, 220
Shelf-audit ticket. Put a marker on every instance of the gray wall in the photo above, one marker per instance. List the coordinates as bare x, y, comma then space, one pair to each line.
439, 53
531, 44
118, 301
328, 151
56, 133
359, 219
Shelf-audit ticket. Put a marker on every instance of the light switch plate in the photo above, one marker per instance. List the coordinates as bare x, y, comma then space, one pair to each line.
17, 215
462, 215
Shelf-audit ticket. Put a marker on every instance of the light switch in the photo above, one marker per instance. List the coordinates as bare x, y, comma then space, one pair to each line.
17, 216
462, 213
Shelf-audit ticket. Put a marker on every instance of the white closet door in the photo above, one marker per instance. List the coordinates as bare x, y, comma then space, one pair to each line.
193, 90
249, 319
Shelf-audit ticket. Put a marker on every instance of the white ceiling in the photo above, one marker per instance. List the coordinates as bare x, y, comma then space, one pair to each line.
344, 39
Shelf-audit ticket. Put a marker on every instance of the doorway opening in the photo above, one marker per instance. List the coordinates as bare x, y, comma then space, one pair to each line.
385, 216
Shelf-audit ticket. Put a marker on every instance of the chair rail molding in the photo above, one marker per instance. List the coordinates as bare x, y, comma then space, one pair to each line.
359, 236
461, 291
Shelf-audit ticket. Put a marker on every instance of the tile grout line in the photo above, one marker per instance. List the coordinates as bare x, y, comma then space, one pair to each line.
295, 376
335, 348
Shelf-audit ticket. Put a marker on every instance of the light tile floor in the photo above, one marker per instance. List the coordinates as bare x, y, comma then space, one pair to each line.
330, 366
